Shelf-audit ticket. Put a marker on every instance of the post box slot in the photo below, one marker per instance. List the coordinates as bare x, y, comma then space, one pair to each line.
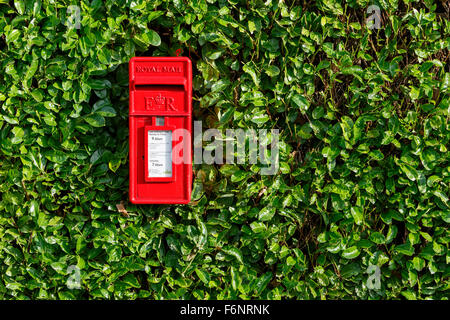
155, 87
163, 80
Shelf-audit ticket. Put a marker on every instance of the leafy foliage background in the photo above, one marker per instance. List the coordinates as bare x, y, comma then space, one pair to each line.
364, 170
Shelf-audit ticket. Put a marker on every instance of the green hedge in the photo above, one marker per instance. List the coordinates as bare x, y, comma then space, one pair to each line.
363, 183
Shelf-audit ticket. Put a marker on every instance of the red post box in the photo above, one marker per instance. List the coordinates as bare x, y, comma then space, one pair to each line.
160, 120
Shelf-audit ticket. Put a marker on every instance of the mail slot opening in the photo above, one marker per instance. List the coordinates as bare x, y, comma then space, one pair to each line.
152, 87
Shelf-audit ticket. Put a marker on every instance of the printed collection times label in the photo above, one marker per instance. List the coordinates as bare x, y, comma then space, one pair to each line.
159, 153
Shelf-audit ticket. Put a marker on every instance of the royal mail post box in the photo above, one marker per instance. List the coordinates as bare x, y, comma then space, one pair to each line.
160, 120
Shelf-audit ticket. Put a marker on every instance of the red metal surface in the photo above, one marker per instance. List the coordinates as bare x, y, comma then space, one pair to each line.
159, 87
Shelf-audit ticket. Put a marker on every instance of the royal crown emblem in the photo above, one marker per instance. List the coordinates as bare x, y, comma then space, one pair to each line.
160, 103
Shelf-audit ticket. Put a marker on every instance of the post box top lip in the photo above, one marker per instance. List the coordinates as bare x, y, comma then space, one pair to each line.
186, 74
162, 59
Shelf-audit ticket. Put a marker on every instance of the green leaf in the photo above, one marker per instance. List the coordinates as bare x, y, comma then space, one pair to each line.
257, 226
266, 214
441, 196
131, 281
405, 249
377, 238
235, 252
18, 135
95, 120
300, 102
357, 214
106, 112
31, 70
351, 253
318, 113
37, 94
154, 38
410, 172
248, 68
376, 155
347, 127
260, 118
203, 276
20, 6
262, 283
99, 84
56, 156
272, 71
392, 233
